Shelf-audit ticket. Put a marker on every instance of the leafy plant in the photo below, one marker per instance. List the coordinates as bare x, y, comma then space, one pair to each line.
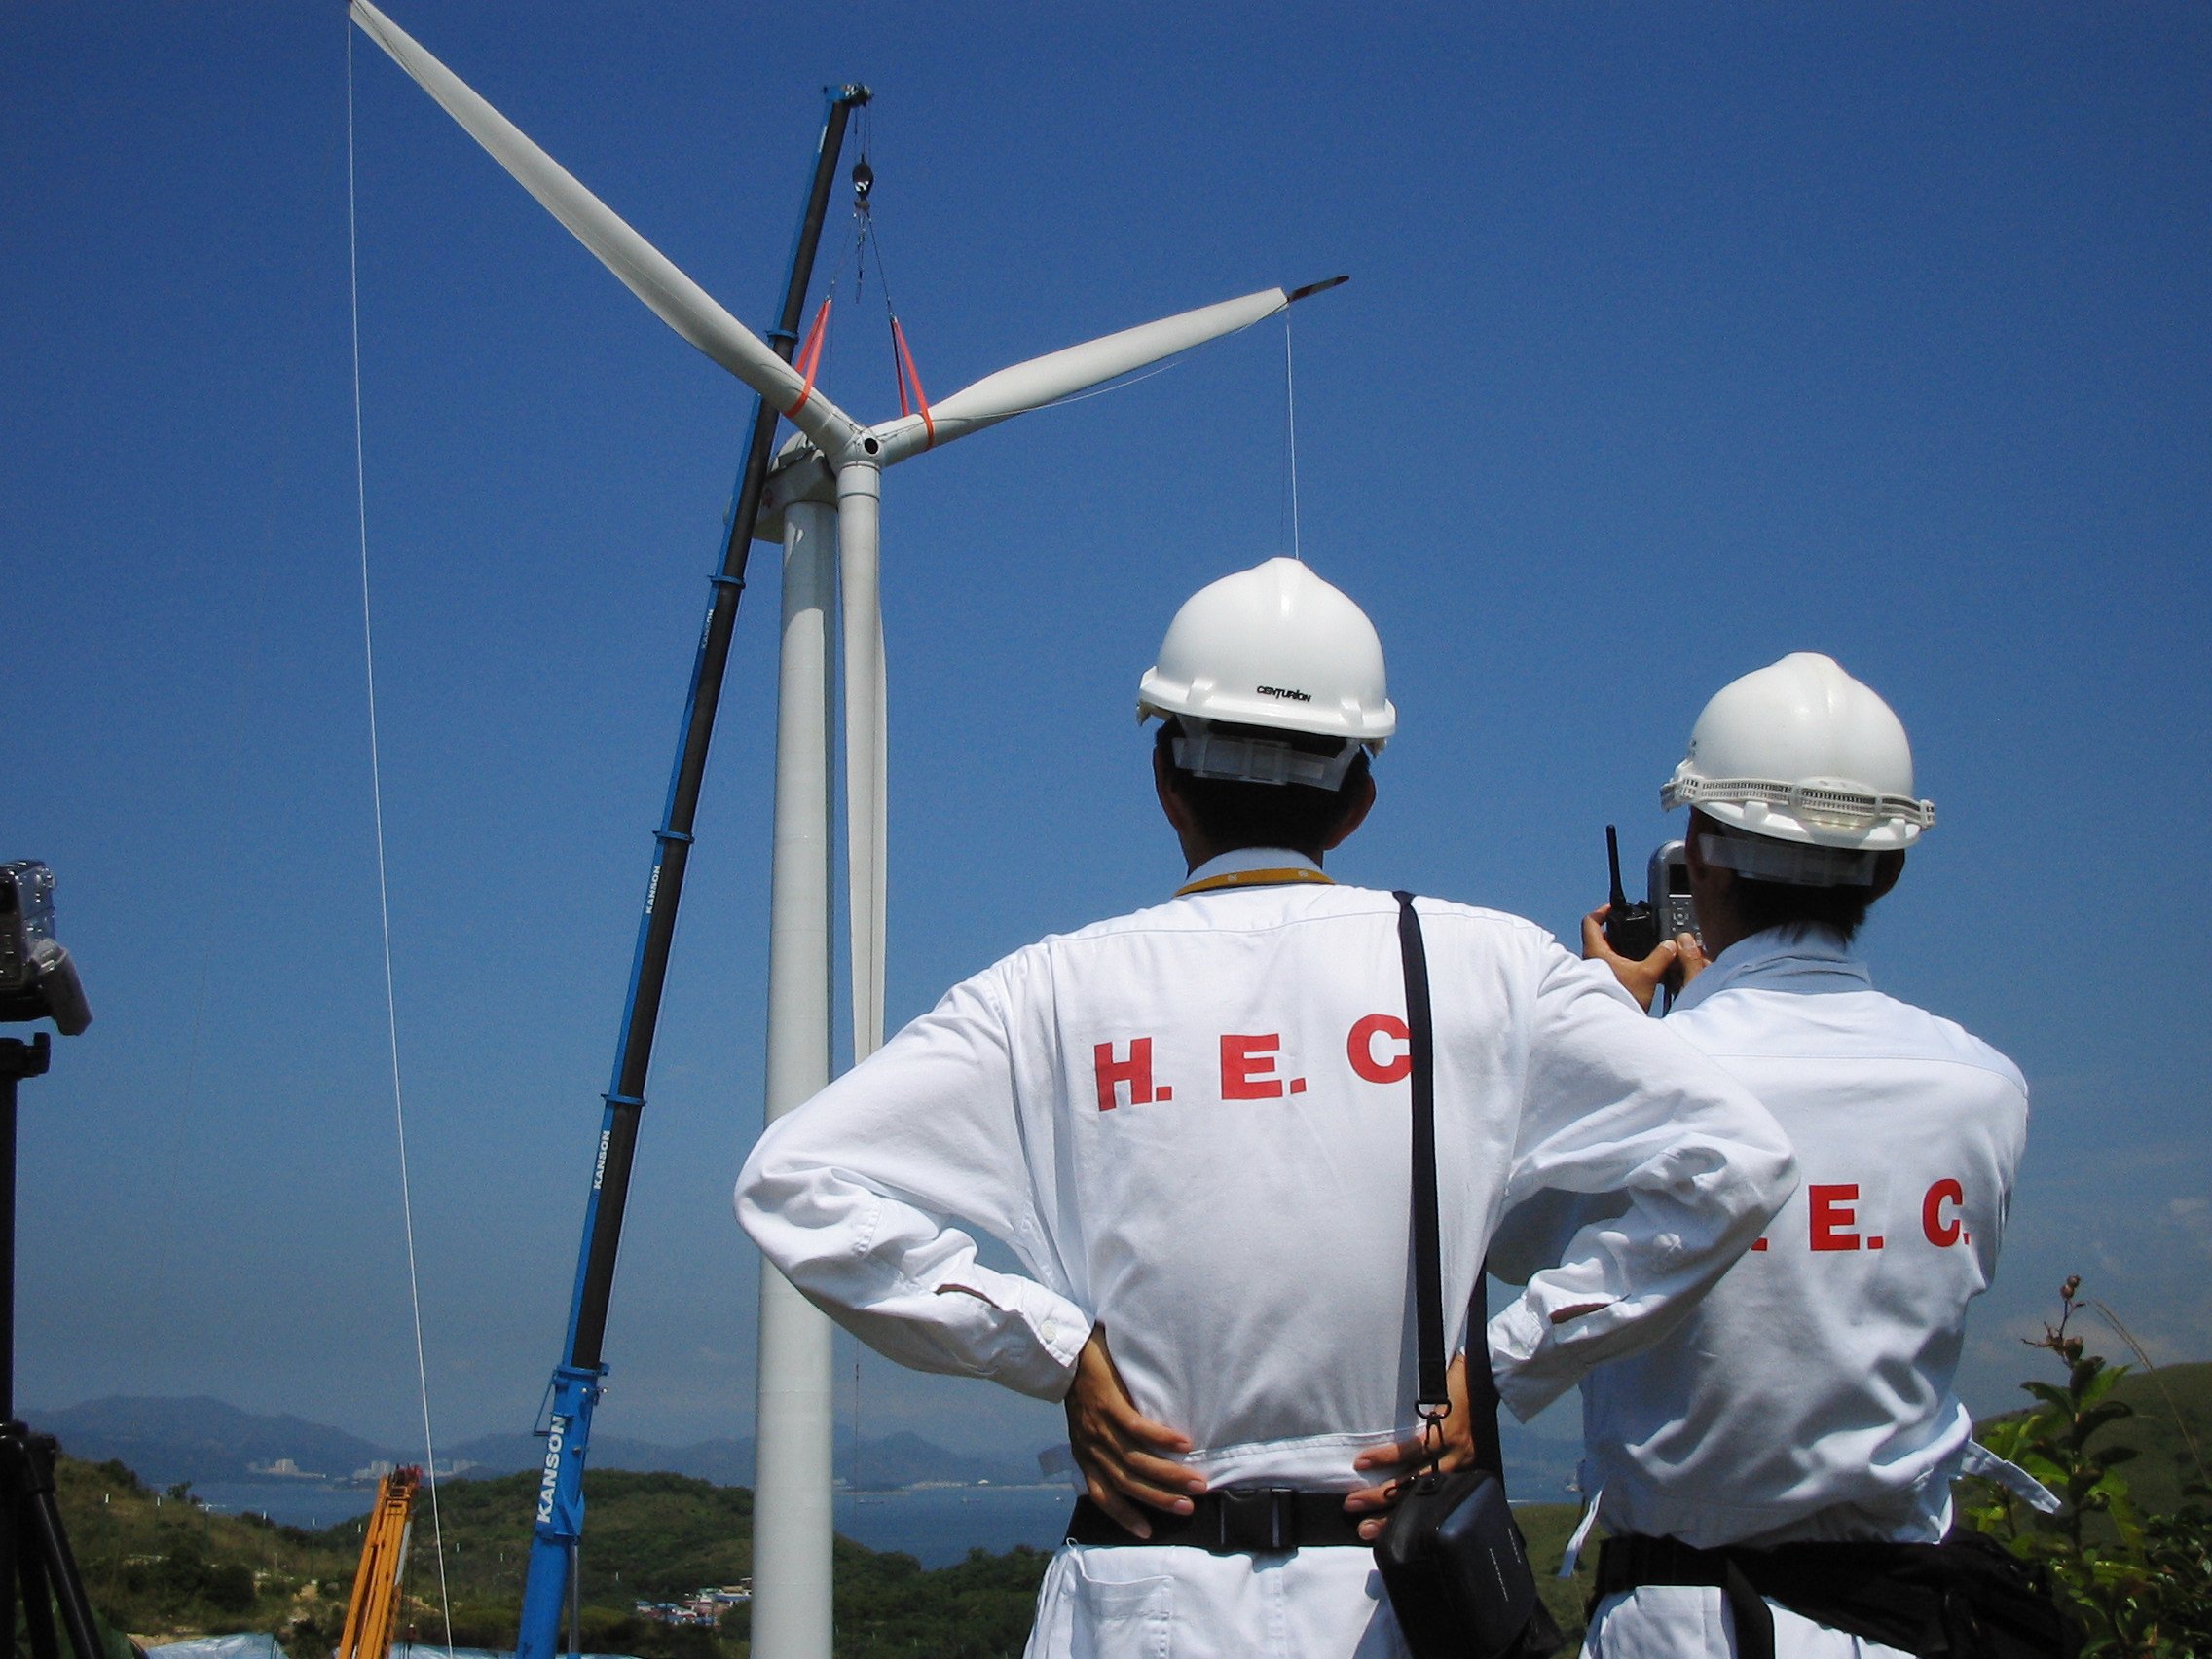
2141, 1587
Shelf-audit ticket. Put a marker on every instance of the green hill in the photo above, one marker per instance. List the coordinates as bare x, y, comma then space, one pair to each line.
164, 1568
2170, 1434
161, 1567
1547, 1526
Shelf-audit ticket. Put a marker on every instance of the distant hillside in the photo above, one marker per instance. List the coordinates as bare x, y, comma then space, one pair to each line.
725, 1463
2170, 1433
201, 1439
907, 1459
896, 1461
2173, 1408
169, 1569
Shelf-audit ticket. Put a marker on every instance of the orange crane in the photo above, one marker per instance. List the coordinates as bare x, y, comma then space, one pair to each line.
373, 1611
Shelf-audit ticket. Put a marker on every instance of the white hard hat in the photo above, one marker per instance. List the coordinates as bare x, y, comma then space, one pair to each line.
1275, 645
1800, 752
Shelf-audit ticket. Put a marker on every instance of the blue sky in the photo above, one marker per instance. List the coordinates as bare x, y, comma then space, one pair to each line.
1678, 338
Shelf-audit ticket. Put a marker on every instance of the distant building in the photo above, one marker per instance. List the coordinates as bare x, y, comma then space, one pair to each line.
701, 1608
284, 1468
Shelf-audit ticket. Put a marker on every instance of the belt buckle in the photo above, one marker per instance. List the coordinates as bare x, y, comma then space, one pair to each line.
1257, 1518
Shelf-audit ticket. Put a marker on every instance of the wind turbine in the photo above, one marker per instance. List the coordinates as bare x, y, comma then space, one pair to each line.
829, 494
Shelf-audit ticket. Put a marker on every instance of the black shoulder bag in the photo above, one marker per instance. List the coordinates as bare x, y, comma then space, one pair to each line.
1452, 1555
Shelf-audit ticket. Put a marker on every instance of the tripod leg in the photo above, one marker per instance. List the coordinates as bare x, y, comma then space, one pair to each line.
38, 1606
12, 1487
30, 1460
10, 1555
68, 1584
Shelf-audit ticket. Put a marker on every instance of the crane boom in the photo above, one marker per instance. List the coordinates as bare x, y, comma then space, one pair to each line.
373, 1614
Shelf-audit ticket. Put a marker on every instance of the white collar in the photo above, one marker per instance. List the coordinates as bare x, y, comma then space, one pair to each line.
1803, 960
1249, 859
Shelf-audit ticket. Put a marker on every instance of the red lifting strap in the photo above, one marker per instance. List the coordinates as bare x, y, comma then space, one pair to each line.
904, 366
810, 356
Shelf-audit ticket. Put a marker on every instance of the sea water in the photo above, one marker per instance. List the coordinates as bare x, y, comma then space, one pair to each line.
289, 1503
940, 1525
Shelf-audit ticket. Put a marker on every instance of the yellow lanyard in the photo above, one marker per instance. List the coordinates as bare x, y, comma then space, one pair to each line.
1253, 878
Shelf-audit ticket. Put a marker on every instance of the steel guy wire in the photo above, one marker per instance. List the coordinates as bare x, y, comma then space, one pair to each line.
375, 796
1290, 399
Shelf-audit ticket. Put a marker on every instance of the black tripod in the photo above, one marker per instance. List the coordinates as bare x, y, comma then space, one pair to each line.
45, 1571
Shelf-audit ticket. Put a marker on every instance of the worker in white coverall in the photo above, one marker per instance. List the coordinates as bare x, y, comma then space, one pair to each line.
1190, 1126
1808, 1398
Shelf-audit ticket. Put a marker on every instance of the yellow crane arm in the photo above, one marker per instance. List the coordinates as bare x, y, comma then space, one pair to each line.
373, 1611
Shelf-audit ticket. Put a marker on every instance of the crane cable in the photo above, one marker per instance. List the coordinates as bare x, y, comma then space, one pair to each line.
1290, 400
376, 792
868, 238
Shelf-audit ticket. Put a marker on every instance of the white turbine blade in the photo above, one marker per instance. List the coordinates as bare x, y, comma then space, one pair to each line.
643, 269
1061, 373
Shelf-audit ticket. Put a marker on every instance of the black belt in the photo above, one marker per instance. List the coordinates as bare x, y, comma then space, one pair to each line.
1630, 1562
1964, 1597
1233, 1521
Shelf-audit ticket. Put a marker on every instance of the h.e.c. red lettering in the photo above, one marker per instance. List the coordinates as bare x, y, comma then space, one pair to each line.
1944, 1231
1248, 1067
1249, 1064
1834, 1214
1833, 1217
1136, 1071
1359, 1049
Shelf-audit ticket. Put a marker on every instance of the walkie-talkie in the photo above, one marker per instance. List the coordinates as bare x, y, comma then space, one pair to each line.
1631, 929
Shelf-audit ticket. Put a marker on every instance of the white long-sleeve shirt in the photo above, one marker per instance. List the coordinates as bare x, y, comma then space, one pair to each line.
1193, 1125
1810, 1396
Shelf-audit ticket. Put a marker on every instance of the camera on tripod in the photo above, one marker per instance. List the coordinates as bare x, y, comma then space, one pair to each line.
37, 978
38, 1571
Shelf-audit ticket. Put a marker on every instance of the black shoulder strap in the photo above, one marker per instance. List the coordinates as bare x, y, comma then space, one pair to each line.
1428, 1267
1481, 1389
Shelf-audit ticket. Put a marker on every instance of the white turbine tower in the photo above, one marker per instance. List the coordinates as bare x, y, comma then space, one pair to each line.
829, 496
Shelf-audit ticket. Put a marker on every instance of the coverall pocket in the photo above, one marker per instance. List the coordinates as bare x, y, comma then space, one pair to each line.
1123, 1619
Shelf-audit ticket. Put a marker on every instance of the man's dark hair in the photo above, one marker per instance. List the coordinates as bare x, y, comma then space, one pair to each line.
1232, 814
1764, 905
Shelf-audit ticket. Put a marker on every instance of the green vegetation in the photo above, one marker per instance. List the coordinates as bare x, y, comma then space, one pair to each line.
1546, 1527
2169, 1430
2134, 1561
160, 1567
166, 1569
979, 1609
2139, 1584
163, 1569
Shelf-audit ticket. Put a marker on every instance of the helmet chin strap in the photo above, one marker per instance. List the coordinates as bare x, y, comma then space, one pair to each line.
1204, 752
